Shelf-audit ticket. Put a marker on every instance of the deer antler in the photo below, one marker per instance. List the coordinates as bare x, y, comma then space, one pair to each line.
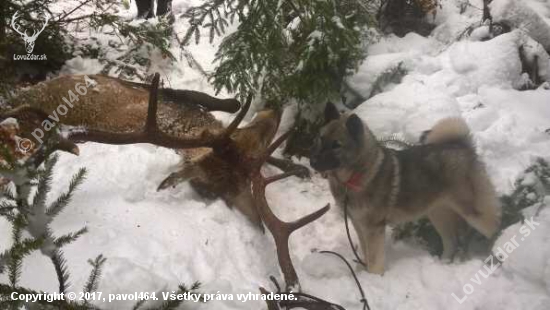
35, 34
280, 230
14, 26
29, 117
153, 135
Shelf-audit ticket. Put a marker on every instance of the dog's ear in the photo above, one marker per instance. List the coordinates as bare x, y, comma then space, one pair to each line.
355, 127
331, 112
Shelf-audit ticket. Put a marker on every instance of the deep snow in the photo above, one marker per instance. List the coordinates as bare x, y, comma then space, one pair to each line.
155, 240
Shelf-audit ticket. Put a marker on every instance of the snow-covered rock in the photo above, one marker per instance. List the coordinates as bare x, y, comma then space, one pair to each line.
520, 15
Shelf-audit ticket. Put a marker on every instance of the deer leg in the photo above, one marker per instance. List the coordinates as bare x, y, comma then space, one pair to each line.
185, 174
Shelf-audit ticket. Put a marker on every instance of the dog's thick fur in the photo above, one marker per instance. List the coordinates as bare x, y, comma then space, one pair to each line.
442, 179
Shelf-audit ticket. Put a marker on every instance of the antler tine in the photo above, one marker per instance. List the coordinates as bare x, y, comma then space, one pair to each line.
308, 218
28, 116
45, 23
277, 143
239, 118
153, 135
281, 176
280, 230
36, 33
271, 304
264, 156
151, 122
44, 151
14, 26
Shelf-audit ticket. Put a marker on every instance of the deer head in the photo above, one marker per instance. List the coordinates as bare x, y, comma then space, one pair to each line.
29, 40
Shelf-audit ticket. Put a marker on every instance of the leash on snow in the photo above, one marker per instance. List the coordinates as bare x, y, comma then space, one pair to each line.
361, 291
353, 249
363, 298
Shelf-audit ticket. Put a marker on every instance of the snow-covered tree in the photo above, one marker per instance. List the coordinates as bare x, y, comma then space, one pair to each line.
91, 28
24, 195
285, 51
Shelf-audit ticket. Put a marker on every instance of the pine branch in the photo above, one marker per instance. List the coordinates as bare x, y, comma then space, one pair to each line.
14, 270
14, 264
19, 251
69, 238
6, 193
6, 210
63, 200
93, 280
44, 184
60, 265
197, 17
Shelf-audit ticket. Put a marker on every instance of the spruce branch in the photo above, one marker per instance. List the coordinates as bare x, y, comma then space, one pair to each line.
19, 251
64, 199
198, 15
60, 242
7, 209
60, 265
15, 261
44, 183
93, 280
7, 193
274, 55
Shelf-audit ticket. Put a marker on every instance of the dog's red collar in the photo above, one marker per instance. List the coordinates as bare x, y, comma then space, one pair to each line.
354, 182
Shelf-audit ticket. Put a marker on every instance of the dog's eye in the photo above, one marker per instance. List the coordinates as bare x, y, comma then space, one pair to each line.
336, 145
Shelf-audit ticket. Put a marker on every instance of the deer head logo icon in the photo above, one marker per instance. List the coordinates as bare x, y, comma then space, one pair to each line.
29, 40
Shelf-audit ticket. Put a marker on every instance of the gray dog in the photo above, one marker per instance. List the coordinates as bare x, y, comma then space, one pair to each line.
442, 179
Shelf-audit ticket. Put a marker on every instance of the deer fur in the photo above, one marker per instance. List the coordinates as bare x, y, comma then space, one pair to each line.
115, 105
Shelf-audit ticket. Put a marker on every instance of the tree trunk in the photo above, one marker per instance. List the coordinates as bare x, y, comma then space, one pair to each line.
3, 20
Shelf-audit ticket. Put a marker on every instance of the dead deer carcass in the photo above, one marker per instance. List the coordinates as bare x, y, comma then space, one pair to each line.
233, 161
114, 111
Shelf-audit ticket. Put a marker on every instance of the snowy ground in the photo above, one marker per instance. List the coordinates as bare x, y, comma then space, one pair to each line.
155, 240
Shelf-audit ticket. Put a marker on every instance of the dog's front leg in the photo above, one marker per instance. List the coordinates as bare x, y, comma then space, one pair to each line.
374, 249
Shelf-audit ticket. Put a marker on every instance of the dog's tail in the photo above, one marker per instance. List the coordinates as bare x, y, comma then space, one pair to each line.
452, 129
